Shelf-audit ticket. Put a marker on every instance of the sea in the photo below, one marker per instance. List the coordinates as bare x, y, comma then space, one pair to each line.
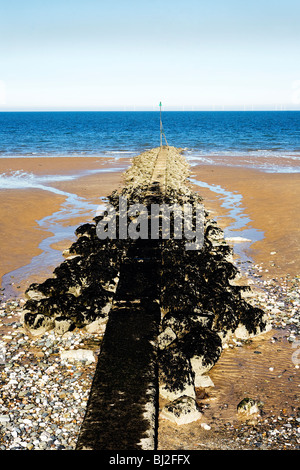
266, 140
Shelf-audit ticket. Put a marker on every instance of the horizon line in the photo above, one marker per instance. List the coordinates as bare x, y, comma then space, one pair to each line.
153, 109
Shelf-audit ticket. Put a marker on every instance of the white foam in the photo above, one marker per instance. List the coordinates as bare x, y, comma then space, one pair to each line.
21, 179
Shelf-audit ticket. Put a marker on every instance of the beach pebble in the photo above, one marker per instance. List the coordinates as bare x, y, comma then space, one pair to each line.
42, 397
78, 355
248, 407
4, 419
205, 426
183, 410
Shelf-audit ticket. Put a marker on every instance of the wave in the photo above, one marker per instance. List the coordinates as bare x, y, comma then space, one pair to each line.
20, 179
265, 160
193, 152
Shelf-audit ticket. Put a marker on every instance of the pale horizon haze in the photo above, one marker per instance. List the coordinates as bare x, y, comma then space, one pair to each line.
130, 55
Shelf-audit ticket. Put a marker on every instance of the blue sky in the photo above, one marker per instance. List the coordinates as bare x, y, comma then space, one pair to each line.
129, 54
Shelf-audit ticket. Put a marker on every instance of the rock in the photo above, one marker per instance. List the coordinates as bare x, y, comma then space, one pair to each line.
166, 338
199, 366
38, 324
82, 355
175, 375
62, 325
205, 426
45, 436
204, 348
174, 393
203, 381
4, 419
34, 294
183, 410
98, 326
243, 333
248, 407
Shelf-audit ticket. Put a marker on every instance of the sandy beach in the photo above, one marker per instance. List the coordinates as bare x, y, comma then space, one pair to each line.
149, 228
272, 203
20, 233
21, 209
263, 368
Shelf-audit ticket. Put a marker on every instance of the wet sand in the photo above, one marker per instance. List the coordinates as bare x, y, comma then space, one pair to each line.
21, 209
272, 202
56, 165
20, 232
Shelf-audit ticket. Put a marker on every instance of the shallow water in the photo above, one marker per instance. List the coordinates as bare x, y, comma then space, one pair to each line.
239, 232
23, 180
59, 223
263, 370
264, 140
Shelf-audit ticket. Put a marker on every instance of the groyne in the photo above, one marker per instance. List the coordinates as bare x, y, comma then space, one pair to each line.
167, 307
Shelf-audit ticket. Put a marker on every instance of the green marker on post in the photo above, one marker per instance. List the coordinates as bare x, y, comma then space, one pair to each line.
161, 128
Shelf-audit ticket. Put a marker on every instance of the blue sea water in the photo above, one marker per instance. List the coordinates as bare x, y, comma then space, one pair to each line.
259, 133
265, 140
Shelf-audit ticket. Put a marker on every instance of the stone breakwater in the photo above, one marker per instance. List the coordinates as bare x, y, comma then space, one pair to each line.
200, 305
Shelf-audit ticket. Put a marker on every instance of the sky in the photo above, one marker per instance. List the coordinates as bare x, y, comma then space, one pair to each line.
132, 54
